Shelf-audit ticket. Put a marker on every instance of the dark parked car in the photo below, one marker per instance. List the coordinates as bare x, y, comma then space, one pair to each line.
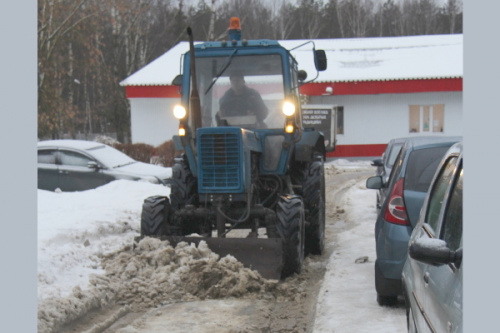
406, 190
432, 275
75, 165
384, 165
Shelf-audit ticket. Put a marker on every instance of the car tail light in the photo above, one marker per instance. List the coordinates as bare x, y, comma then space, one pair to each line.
395, 211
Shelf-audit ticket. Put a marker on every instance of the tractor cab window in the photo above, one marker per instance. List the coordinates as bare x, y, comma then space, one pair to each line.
244, 91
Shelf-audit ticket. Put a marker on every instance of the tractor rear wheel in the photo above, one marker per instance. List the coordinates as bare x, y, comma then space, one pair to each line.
155, 216
184, 191
184, 185
313, 192
290, 225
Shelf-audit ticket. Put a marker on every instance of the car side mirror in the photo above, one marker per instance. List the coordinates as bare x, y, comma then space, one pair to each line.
375, 183
377, 162
434, 252
93, 165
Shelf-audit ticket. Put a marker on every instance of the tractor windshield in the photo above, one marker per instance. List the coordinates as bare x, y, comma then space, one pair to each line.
244, 91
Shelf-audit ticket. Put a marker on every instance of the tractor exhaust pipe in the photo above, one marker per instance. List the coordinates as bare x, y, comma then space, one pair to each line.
194, 99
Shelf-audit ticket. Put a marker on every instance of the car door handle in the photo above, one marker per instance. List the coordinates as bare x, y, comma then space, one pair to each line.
426, 278
63, 172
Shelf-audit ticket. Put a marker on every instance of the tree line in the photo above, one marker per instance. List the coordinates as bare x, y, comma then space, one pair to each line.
86, 47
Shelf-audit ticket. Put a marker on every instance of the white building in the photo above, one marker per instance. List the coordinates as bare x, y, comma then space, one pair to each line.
387, 87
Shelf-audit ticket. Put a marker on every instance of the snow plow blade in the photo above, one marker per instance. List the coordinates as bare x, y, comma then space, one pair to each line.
265, 255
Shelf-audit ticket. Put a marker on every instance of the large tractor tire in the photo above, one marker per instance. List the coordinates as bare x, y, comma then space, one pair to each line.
184, 191
184, 187
313, 192
155, 216
290, 225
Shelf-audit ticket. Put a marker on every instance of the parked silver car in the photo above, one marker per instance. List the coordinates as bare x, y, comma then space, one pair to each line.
76, 165
407, 187
432, 275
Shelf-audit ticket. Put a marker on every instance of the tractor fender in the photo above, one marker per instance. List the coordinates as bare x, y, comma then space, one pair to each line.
312, 142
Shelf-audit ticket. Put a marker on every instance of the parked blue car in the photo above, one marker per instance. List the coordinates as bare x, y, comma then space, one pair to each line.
385, 163
433, 273
407, 187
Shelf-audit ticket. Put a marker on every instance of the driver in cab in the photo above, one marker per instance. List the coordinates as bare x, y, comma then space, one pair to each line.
240, 100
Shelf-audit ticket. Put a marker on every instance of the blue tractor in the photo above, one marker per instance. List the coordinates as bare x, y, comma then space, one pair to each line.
247, 162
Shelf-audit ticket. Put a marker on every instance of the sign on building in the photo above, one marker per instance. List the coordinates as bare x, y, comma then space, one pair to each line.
323, 119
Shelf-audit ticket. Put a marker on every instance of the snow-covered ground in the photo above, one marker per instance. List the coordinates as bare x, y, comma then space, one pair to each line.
76, 230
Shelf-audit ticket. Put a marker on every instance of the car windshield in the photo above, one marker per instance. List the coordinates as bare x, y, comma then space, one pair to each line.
110, 157
244, 91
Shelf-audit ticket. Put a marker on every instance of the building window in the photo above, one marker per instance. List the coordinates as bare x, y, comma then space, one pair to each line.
427, 118
339, 112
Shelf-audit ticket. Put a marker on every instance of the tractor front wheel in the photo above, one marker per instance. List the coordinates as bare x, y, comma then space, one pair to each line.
155, 216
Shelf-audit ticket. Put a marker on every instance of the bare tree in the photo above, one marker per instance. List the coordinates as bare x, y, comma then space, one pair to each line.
55, 20
452, 9
356, 16
284, 22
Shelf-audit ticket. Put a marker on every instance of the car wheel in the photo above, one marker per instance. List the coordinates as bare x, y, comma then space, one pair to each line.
386, 295
290, 225
387, 300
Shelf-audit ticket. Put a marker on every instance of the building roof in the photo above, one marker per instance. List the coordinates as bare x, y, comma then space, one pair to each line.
349, 60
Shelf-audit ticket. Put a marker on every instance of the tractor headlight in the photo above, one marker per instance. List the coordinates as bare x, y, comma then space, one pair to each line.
179, 111
288, 108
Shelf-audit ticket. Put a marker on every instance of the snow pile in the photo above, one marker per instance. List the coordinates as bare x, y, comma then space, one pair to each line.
154, 273
75, 229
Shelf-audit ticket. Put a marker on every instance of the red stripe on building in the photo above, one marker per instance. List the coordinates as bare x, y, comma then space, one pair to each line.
152, 92
382, 87
318, 89
357, 150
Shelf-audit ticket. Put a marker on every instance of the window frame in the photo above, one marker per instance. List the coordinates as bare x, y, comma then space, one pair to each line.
435, 114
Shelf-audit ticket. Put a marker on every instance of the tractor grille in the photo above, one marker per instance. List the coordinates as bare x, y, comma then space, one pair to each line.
219, 162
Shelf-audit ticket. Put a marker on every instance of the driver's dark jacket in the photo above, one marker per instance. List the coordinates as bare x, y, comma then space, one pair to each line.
248, 103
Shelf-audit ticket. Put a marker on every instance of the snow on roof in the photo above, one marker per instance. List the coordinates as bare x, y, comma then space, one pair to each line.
75, 144
349, 59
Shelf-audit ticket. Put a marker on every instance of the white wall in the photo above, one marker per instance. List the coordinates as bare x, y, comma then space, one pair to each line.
375, 119
368, 119
152, 120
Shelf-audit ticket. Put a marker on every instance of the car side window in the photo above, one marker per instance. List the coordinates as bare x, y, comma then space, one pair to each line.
396, 167
74, 159
438, 193
47, 156
452, 229
422, 165
393, 154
